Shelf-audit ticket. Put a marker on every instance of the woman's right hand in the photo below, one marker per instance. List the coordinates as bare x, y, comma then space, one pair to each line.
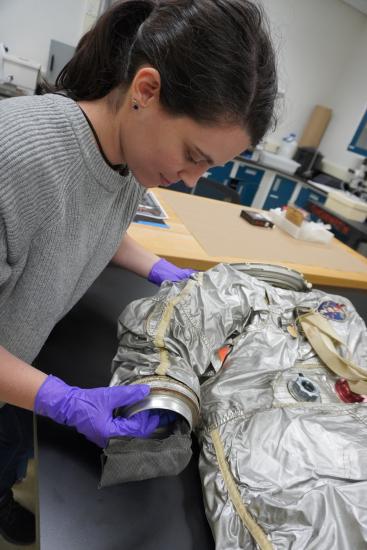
90, 411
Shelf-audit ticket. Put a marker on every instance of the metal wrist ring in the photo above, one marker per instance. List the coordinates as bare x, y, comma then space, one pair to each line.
167, 394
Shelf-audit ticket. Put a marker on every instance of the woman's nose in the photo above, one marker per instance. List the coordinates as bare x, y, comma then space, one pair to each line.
191, 176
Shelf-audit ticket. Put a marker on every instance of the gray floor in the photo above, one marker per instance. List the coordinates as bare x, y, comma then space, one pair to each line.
26, 494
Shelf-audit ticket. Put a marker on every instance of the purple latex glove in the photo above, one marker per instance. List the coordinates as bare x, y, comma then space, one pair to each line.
165, 271
91, 411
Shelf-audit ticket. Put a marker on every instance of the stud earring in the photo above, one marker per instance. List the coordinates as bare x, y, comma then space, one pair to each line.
135, 105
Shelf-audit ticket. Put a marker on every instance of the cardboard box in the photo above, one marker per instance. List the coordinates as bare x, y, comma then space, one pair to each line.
315, 127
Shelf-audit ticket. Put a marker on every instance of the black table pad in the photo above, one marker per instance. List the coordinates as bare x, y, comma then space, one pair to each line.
157, 514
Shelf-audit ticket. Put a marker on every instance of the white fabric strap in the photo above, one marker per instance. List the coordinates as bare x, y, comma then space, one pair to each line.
325, 341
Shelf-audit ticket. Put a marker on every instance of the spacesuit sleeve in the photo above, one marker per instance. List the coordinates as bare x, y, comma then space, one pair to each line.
183, 328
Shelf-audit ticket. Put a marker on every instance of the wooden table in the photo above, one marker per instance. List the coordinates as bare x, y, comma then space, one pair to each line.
178, 245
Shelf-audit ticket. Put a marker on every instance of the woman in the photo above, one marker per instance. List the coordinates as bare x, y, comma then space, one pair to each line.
157, 91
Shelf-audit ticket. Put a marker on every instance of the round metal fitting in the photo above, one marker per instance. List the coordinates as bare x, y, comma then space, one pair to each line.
170, 395
303, 389
276, 275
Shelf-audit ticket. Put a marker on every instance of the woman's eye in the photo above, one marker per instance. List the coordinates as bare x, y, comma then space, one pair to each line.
191, 159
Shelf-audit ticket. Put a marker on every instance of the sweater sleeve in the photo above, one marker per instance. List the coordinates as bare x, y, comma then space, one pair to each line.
5, 268
24, 199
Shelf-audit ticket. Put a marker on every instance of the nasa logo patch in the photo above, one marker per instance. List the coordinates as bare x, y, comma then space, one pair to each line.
332, 310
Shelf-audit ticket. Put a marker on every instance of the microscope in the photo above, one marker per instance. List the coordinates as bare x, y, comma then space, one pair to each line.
358, 183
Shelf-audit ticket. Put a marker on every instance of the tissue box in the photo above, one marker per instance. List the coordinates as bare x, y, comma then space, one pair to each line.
308, 231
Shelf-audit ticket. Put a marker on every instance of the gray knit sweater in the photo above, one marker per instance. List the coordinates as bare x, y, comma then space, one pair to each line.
63, 212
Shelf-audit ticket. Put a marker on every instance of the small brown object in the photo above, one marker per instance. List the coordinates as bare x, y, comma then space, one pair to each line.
255, 218
295, 215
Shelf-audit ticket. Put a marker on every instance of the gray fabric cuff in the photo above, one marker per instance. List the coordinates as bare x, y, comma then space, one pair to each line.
137, 459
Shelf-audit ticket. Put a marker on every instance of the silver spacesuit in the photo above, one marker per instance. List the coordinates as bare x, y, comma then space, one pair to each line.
283, 458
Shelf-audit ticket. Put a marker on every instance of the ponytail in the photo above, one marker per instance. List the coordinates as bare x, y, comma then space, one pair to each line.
215, 59
101, 59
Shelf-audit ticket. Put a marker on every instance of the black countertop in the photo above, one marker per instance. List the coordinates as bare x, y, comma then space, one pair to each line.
296, 177
158, 514
257, 164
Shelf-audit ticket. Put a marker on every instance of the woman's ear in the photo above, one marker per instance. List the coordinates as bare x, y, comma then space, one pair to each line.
145, 88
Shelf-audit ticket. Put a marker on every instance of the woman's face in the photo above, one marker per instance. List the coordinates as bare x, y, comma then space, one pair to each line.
164, 149
161, 149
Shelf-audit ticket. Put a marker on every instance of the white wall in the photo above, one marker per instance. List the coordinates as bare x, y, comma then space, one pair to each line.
27, 26
350, 104
318, 41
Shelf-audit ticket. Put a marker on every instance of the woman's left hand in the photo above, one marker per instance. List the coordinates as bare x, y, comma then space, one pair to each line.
165, 271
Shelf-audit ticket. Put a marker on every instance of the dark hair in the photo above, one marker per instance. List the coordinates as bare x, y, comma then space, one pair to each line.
215, 59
